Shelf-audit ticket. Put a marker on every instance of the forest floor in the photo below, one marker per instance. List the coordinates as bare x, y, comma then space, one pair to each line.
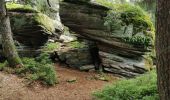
73, 85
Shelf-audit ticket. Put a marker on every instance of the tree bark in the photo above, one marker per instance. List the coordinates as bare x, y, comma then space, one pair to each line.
7, 40
163, 48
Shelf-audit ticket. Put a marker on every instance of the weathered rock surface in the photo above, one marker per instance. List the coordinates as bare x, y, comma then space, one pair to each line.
52, 10
86, 19
27, 30
75, 54
122, 65
83, 17
117, 57
32, 30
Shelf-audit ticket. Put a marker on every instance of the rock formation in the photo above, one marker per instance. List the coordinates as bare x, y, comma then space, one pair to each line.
32, 29
92, 44
117, 57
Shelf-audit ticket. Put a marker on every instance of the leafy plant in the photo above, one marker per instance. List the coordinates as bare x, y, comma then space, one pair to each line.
123, 15
138, 41
113, 21
140, 88
130, 14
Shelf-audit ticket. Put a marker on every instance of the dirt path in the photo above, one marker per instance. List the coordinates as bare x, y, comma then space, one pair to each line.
84, 83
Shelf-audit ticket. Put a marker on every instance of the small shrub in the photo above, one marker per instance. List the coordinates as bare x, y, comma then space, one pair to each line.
140, 88
46, 73
44, 58
40, 68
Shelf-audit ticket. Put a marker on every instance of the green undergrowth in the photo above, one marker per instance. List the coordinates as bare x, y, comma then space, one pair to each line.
50, 47
130, 14
124, 15
40, 68
20, 8
77, 44
141, 88
3, 65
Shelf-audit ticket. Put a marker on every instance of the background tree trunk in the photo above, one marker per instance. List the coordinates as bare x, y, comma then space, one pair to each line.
7, 40
163, 48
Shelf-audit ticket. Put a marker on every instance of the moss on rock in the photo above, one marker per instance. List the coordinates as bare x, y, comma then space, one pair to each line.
45, 21
77, 44
51, 47
20, 21
121, 16
29, 18
20, 8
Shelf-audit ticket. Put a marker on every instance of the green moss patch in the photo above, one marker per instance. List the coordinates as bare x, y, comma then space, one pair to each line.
127, 14
13, 7
77, 44
135, 15
20, 19
124, 15
45, 21
35, 21
50, 47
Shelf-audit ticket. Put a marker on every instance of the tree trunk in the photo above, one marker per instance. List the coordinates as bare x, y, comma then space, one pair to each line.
163, 48
7, 40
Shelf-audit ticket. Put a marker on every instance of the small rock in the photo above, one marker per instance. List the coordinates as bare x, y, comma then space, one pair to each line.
86, 67
101, 77
72, 80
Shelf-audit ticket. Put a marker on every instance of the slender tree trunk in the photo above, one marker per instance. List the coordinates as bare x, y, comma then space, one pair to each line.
163, 48
7, 40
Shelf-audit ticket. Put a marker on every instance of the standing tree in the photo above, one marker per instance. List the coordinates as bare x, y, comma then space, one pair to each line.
7, 40
163, 48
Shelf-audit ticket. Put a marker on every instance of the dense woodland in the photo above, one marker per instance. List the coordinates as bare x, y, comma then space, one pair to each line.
84, 50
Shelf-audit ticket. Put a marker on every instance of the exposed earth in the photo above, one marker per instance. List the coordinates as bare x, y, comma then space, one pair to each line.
73, 85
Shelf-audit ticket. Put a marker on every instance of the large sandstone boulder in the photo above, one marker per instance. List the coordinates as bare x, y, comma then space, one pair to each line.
32, 29
83, 17
117, 56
